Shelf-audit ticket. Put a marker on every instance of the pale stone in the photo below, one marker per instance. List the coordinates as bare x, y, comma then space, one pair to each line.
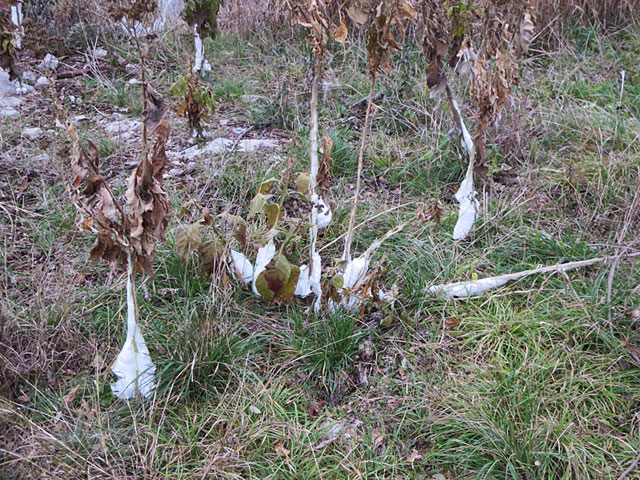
32, 133
42, 82
123, 129
10, 102
42, 158
49, 62
8, 112
29, 76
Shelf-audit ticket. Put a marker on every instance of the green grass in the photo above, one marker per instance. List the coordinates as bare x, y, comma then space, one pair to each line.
529, 382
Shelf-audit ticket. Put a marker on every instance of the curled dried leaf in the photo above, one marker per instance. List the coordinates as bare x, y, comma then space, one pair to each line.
148, 204
99, 211
188, 240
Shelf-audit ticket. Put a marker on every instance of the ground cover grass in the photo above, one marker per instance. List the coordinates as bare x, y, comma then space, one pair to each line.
537, 380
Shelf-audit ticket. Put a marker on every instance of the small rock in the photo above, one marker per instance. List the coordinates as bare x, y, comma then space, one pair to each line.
255, 410
49, 62
42, 158
8, 112
134, 81
252, 98
32, 133
42, 82
72, 98
224, 122
23, 89
132, 69
79, 118
29, 76
255, 144
10, 102
118, 116
98, 52
123, 129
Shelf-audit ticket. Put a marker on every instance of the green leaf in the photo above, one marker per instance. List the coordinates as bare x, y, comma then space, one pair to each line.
337, 281
188, 240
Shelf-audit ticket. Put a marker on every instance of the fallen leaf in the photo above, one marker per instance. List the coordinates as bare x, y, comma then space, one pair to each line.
280, 450
70, 396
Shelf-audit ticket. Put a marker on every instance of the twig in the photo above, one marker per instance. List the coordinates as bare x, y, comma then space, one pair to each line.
474, 288
352, 217
242, 134
630, 469
367, 220
621, 251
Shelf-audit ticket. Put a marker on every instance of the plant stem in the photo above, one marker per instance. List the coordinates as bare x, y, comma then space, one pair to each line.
132, 303
313, 159
143, 78
346, 256
466, 288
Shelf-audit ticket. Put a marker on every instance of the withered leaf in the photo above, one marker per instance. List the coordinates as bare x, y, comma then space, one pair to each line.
100, 212
357, 15
273, 213
278, 281
188, 240
212, 256
339, 33
302, 182
257, 204
238, 226
105, 247
146, 198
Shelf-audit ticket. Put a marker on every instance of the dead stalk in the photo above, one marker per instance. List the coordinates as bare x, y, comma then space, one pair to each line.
346, 256
313, 158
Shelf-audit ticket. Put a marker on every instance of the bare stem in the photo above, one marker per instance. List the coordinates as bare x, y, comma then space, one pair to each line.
352, 217
133, 32
313, 158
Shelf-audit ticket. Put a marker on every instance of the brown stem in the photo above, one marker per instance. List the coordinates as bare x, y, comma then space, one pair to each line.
352, 218
134, 34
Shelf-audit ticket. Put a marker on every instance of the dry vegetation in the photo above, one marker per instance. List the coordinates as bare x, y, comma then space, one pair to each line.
538, 380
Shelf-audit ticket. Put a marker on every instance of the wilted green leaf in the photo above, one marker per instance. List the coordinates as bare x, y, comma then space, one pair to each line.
278, 282
265, 186
211, 254
302, 182
188, 240
273, 213
263, 288
337, 281
285, 295
277, 272
238, 226
257, 204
